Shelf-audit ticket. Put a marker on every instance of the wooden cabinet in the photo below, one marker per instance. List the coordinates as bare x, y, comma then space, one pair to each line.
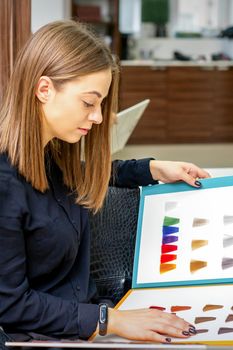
223, 105
138, 83
188, 104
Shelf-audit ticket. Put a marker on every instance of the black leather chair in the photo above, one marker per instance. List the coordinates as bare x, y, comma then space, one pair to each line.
113, 240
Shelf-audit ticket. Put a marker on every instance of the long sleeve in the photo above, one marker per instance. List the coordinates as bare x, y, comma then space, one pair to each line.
131, 173
22, 308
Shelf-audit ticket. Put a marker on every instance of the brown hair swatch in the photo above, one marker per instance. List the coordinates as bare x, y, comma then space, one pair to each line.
204, 319
180, 308
198, 243
224, 330
199, 331
229, 318
196, 265
200, 222
209, 307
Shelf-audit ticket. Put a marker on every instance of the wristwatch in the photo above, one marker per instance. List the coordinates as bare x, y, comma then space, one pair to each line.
103, 319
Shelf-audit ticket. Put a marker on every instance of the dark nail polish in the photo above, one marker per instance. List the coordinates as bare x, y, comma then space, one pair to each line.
198, 183
168, 340
192, 331
185, 333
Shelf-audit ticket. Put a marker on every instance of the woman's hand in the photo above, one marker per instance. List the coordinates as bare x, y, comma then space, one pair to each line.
167, 171
148, 325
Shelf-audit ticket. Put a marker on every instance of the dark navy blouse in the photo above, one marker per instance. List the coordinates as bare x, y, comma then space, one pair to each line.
45, 285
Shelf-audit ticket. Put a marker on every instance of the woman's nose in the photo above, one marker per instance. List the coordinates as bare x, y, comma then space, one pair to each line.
96, 116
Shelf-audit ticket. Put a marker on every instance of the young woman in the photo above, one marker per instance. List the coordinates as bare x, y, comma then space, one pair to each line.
55, 165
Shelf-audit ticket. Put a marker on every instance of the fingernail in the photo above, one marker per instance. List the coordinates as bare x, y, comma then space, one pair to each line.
192, 331
168, 340
197, 183
185, 333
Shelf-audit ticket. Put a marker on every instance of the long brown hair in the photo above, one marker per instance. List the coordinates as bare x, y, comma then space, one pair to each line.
63, 51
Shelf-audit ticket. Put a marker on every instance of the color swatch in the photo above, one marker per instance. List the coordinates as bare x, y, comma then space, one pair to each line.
161, 308
200, 222
180, 308
196, 265
170, 206
204, 319
210, 307
170, 232
167, 267
199, 331
227, 241
229, 318
198, 243
224, 330
168, 221
168, 248
227, 263
167, 258
169, 239
228, 219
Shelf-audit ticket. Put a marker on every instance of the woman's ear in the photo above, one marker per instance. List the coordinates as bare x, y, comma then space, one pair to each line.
44, 89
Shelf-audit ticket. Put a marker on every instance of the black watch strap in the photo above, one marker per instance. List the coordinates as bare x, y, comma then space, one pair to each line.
103, 319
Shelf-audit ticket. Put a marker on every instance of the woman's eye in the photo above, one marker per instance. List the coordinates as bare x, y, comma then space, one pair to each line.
86, 104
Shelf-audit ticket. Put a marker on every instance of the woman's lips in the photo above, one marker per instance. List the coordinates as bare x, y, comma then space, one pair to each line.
83, 131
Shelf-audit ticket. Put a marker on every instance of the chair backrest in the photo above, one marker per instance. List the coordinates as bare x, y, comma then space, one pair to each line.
113, 241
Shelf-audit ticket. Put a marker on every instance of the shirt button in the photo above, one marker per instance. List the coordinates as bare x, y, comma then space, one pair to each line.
78, 288
59, 200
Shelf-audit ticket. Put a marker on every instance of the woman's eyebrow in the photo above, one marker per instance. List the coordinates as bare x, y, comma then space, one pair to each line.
94, 92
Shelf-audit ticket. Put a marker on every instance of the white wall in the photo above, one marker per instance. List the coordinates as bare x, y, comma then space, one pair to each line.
231, 14
45, 11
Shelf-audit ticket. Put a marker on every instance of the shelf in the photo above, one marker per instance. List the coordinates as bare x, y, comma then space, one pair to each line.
103, 20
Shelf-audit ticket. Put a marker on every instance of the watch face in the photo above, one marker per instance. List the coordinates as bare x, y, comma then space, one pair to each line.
103, 315
103, 319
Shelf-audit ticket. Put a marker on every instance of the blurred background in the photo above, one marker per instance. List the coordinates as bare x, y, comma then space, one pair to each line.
177, 53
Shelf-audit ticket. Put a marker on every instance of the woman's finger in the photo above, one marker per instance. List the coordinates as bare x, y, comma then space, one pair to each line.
196, 172
155, 337
170, 330
175, 320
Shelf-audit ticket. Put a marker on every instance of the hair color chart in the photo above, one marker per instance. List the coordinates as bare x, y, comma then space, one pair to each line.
208, 308
185, 235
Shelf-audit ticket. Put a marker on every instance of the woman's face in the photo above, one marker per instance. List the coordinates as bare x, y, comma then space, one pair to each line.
71, 112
